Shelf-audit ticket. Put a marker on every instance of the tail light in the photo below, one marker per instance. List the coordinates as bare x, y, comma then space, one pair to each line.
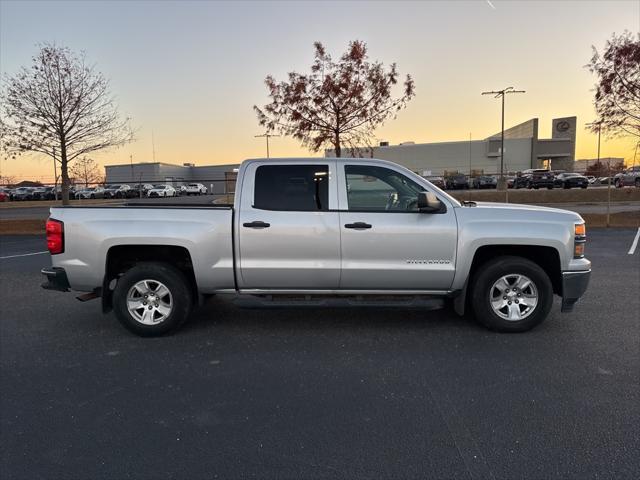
55, 236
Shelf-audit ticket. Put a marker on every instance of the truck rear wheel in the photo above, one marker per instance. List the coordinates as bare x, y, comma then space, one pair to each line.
152, 299
511, 294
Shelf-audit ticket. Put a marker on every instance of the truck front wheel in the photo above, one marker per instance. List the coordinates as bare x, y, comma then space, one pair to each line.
152, 299
511, 294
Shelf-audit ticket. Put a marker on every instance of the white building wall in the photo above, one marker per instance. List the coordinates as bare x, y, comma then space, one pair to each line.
451, 156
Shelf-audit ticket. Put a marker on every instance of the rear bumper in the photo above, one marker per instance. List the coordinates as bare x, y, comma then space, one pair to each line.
574, 285
56, 279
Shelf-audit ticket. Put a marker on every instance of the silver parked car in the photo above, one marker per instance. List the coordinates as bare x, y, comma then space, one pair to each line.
91, 192
193, 189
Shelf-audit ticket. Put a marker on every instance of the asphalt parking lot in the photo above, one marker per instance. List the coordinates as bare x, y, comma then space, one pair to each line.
301, 393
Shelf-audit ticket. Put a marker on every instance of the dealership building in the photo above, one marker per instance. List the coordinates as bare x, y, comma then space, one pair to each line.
523, 149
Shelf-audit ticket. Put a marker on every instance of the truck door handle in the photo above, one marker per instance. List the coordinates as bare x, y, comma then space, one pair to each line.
358, 225
256, 224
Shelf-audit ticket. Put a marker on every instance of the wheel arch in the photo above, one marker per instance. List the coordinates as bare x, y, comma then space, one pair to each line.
121, 258
546, 257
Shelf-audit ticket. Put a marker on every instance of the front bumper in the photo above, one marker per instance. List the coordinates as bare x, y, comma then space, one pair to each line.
574, 284
56, 279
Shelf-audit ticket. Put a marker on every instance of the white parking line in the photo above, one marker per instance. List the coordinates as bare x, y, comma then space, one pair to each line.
24, 255
634, 244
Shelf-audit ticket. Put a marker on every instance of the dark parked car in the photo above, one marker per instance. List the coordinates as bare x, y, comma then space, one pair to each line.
22, 193
117, 191
534, 178
438, 182
571, 180
522, 181
45, 193
139, 190
457, 182
485, 181
38, 193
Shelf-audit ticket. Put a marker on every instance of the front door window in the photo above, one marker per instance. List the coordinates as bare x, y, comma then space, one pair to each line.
379, 189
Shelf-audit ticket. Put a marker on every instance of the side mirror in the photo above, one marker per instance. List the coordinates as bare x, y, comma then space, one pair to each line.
428, 202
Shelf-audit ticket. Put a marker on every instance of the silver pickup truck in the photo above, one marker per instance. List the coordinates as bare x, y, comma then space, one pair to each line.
321, 231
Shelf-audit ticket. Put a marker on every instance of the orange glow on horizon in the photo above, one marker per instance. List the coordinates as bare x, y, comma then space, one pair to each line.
195, 89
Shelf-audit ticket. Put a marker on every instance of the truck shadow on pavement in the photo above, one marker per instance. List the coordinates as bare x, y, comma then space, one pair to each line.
217, 313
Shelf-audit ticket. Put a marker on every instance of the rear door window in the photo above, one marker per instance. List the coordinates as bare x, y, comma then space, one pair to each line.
301, 188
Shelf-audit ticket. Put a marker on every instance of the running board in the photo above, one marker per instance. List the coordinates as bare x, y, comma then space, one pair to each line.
313, 301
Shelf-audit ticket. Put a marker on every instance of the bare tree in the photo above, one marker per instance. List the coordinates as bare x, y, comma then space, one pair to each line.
617, 92
61, 107
86, 170
7, 180
601, 169
339, 103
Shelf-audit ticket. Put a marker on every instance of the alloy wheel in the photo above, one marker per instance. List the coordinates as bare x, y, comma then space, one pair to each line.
513, 297
149, 302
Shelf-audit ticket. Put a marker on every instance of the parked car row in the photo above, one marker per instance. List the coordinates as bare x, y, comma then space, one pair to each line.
29, 193
107, 191
536, 179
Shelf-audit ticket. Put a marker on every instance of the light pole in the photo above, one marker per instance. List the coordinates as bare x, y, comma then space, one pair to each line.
266, 135
599, 125
501, 94
469, 155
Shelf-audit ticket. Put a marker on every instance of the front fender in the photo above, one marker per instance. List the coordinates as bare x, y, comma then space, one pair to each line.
480, 227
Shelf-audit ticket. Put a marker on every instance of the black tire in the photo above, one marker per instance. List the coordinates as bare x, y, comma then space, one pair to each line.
173, 279
637, 182
617, 183
491, 272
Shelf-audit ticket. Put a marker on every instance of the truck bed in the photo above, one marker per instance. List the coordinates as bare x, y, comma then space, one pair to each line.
205, 231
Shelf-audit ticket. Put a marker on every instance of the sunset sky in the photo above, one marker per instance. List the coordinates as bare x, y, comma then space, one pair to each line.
191, 71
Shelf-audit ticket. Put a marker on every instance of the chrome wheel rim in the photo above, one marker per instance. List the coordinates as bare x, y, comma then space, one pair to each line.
149, 302
513, 297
